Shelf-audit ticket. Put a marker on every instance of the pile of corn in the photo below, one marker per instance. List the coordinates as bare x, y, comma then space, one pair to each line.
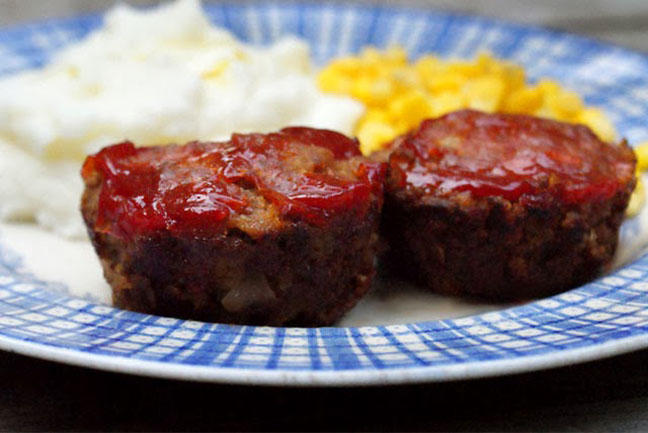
639, 196
399, 94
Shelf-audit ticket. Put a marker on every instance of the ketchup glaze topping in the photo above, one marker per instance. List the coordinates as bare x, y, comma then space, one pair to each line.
515, 157
193, 189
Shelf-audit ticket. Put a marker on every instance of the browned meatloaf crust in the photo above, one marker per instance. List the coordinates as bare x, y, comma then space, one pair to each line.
281, 258
507, 239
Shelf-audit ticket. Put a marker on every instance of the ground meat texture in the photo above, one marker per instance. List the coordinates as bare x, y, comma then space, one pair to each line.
502, 206
265, 229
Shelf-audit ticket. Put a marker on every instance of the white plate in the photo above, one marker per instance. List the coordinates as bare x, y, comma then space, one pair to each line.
606, 317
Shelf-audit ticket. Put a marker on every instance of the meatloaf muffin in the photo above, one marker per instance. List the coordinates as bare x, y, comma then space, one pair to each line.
504, 206
269, 229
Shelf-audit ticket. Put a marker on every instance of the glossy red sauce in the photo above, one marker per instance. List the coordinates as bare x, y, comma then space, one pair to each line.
195, 188
514, 157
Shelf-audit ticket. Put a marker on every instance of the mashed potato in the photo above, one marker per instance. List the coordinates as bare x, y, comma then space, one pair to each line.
158, 76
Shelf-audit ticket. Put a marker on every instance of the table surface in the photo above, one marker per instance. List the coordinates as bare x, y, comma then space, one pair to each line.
607, 395
623, 22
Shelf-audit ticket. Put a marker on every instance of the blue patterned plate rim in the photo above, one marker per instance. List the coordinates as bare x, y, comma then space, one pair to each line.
606, 317
91, 19
473, 370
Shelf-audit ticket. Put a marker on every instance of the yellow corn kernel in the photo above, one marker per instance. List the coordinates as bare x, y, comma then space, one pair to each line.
447, 102
329, 80
347, 66
485, 61
216, 71
444, 82
361, 89
637, 199
467, 69
410, 109
525, 100
598, 122
546, 112
564, 103
376, 115
241, 55
427, 66
72, 71
642, 156
396, 56
406, 78
372, 92
370, 55
484, 93
548, 86
373, 135
514, 77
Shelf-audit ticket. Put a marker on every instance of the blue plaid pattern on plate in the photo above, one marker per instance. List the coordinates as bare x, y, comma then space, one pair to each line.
605, 317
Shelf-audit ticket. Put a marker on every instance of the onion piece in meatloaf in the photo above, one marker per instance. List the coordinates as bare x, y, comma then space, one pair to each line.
264, 229
504, 206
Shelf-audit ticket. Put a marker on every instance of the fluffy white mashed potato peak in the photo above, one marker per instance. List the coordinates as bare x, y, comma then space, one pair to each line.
155, 76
